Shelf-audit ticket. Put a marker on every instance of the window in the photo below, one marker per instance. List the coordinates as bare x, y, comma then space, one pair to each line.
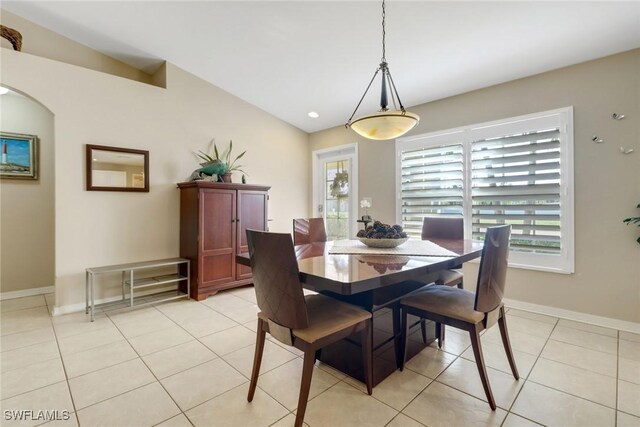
516, 171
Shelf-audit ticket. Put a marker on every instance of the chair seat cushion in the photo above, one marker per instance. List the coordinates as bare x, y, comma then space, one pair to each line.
327, 316
445, 301
450, 277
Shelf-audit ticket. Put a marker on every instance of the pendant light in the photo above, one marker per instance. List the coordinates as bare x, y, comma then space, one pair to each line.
384, 124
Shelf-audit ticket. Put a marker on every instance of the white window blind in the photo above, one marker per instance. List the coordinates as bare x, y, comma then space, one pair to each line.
516, 171
432, 181
516, 180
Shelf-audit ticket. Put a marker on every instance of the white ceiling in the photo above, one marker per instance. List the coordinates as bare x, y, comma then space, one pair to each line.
290, 58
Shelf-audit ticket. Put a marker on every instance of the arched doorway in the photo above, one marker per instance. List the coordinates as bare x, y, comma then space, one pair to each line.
27, 223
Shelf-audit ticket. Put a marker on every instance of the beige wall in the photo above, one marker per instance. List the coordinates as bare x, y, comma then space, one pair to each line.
26, 206
607, 183
40, 41
100, 228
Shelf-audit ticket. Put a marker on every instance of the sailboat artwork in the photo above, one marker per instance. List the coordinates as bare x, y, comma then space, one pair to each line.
19, 156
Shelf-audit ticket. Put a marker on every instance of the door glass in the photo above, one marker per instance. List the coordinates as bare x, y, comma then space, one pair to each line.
336, 199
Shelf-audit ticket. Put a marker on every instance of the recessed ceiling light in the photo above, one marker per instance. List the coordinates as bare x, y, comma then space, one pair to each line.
3, 90
313, 114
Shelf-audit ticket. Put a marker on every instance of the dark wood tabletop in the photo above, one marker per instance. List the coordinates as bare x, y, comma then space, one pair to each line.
352, 274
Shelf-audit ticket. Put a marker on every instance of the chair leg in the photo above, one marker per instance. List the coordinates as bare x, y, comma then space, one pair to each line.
305, 385
440, 334
257, 359
423, 329
477, 352
397, 333
405, 337
502, 323
367, 355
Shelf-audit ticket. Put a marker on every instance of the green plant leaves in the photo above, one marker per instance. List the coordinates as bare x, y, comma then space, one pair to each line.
224, 158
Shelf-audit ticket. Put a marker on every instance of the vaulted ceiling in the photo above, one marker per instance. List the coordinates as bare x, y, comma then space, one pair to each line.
290, 58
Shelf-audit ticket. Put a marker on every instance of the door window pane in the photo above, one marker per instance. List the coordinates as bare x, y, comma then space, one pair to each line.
337, 199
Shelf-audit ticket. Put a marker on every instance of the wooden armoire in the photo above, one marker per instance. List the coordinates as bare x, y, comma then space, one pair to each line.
214, 218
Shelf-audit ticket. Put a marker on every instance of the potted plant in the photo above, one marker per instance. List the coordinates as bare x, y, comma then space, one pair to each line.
634, 220
225, 158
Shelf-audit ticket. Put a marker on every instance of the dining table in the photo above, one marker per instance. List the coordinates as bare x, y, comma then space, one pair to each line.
376, 282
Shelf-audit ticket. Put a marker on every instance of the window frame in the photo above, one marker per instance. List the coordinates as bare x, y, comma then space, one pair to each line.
564, 262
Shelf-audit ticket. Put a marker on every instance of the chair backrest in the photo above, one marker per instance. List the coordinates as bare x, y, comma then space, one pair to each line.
493, 268
275, 278
308, 230
434, 227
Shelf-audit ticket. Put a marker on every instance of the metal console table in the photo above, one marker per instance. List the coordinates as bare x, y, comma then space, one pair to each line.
138, 283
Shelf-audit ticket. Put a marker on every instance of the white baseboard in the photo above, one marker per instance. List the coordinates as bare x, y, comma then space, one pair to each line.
26, 292
606, 322
74, 308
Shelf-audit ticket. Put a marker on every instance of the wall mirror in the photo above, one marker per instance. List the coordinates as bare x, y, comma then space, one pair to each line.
117, 169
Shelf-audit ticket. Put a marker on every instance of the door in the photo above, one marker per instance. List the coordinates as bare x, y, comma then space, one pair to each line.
252, 209
335, 195
218, 236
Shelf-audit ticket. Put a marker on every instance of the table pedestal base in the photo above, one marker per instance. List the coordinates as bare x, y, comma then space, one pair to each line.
346, 355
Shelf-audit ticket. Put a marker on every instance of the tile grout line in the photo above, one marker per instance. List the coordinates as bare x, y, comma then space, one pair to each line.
456, 357
539, 356
509, 411
152, 373
32, 363
563, 391
219, 357
158, 380
571, 394
64, 368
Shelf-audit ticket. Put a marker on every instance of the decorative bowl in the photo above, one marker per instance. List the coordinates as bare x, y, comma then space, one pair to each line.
382, 243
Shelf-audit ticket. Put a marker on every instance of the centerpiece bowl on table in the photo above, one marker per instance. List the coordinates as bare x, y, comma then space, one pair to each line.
381, 235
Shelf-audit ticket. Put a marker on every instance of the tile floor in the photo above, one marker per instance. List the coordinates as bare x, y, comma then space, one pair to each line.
186, 363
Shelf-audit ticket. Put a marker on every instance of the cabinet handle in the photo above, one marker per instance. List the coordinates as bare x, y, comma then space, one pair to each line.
233, 220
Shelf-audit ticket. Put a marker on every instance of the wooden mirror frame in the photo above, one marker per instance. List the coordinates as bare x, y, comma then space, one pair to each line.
89, 168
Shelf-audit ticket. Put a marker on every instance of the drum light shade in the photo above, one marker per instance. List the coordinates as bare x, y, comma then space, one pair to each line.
385, 125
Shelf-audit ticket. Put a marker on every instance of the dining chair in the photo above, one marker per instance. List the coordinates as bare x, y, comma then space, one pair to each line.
445, 228
308, 230
465, 310
308, 323
434, 227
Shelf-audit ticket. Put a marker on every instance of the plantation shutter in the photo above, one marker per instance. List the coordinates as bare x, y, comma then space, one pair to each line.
515, 179
431, 184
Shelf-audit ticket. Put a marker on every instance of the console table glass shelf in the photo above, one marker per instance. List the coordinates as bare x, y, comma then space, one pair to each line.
131, 282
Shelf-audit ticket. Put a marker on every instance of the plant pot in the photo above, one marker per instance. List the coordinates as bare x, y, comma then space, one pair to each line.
226, 177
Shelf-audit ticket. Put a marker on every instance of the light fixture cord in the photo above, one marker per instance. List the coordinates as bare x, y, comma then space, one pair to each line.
384, 34
386, 74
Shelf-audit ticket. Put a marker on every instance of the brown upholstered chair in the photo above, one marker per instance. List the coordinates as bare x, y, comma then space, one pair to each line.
307, 323
434, 227
463, 310
308, 230
445, 228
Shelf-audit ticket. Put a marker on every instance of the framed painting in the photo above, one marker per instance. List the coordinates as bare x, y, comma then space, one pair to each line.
19, 156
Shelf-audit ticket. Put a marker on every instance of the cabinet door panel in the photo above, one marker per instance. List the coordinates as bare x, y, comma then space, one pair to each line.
252, 206
218, 219
218, 237
218, 269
